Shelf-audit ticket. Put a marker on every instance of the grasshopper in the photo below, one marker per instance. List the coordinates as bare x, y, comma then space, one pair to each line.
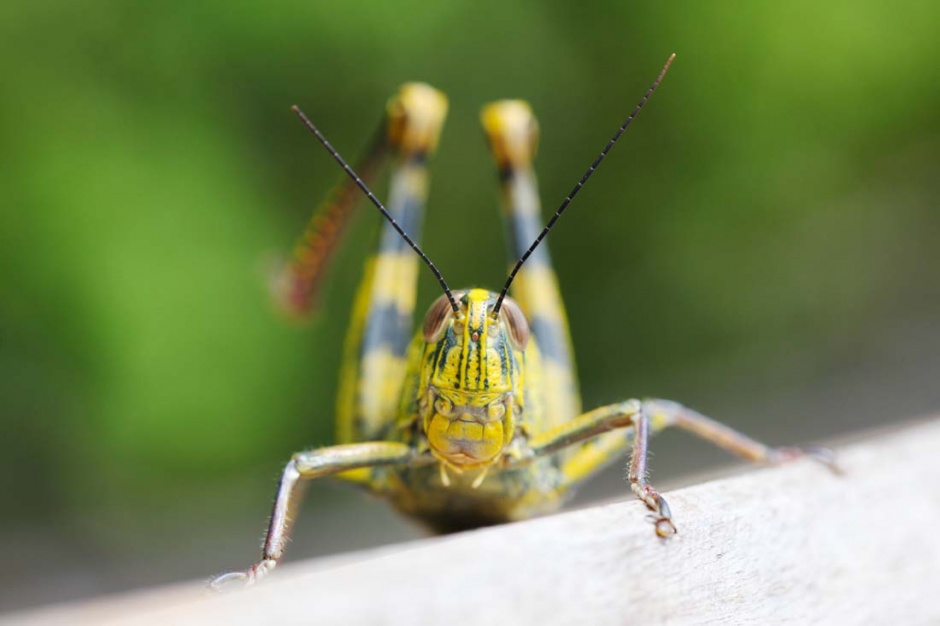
477, 420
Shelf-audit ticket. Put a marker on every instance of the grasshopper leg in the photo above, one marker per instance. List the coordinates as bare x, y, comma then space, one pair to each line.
631, 415
664, 413
639, 420
637, 475
304, 466
380, 329
512, 133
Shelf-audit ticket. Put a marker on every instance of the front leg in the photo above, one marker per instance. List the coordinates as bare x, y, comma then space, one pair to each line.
637, 475
631, 414
303, 466
665, 413
640, 420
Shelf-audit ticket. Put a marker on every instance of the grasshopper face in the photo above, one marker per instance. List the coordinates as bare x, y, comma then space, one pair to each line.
474, 371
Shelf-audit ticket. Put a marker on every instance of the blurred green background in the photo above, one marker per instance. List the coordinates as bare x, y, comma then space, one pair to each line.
762, 245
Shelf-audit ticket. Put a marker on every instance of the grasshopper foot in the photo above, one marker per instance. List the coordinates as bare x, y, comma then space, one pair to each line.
663, 526
247, 578
661, 516
820, 454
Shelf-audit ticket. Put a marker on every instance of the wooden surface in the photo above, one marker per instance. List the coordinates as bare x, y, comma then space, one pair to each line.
791, 544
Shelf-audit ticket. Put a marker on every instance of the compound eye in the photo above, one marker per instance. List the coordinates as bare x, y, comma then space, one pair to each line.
443, 406
435, 322
516, 324
495, 411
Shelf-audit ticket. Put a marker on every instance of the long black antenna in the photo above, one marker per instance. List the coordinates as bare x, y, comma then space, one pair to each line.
378, 204
584, 179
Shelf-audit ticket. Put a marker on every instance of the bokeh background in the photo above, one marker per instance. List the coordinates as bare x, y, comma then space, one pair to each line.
762, 245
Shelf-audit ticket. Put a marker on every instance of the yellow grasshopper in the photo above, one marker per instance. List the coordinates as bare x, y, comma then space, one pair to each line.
477, 419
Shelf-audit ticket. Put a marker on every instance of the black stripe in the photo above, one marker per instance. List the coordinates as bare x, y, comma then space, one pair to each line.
386, 326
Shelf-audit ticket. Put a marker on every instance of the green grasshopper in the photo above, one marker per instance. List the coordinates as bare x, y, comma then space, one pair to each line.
476, 420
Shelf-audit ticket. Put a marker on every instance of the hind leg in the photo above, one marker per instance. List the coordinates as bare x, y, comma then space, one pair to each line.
512, 133
374, 356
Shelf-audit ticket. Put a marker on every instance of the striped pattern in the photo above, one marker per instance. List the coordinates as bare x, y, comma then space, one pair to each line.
380, 329
471, 357
512, 132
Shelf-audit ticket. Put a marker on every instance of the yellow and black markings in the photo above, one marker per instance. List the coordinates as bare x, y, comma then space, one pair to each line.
476, 418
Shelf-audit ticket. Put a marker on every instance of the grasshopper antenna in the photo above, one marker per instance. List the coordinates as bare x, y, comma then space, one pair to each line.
580, 184
378, 204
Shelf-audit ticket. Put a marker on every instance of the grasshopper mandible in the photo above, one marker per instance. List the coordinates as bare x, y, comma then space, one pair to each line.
476, 420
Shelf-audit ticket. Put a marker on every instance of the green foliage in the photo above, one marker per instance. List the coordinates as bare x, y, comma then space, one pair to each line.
775, 205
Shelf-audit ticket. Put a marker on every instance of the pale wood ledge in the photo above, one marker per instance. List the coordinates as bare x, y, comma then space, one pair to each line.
792, 544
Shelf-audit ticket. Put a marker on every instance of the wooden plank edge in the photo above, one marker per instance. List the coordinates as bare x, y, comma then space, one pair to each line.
786, 544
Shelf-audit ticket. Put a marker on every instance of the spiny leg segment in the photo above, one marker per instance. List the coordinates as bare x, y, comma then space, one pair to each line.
297, 286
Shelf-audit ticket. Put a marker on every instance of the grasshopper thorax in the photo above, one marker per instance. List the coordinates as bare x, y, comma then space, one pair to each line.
473, 377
